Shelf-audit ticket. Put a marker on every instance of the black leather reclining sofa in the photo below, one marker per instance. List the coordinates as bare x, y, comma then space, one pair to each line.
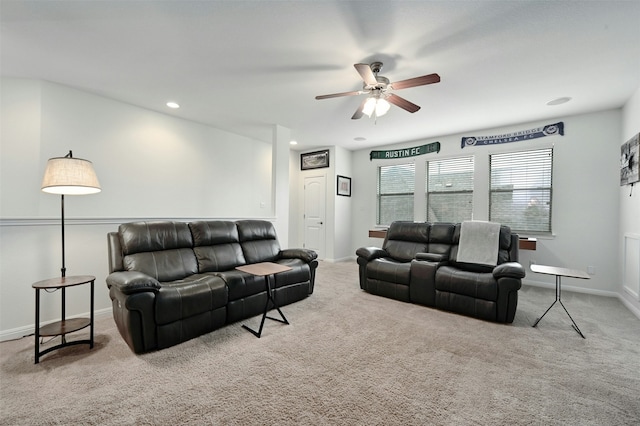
172, 281
417, 264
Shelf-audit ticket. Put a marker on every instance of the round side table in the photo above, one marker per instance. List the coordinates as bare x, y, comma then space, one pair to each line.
64, 326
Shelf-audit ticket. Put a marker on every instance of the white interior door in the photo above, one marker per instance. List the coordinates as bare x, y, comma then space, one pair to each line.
314, 214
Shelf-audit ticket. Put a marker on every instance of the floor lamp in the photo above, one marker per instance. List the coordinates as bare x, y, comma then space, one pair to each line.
69, 176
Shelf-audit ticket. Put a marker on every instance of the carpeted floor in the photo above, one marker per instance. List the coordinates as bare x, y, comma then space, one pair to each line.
348, 358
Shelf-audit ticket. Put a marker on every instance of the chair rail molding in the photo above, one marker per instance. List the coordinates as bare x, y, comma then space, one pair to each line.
51, 221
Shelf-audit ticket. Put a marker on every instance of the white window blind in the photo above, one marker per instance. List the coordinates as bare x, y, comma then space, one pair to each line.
449, 185
396, 185
521, 189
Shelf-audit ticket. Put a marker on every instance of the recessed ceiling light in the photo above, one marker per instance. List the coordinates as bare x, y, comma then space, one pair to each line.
559, 101
293, 143
173, 105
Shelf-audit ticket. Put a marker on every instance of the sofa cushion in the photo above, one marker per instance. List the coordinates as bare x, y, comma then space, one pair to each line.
387, 269
191, 296
441, 238
258, 240
405, 239
242, 284
216, 245
161, 250
505, 245
474, 284
165, 265
137, 237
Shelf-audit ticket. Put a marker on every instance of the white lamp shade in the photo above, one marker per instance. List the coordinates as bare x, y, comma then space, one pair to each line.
369, 106
67, 175
375, 103
382, 107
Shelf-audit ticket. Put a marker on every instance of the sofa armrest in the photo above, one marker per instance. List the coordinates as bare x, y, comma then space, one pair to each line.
431, 257
509, 270
130, 282
370, 253
306, 255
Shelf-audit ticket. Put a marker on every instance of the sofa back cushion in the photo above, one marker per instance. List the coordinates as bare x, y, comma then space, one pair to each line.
405, 239
162, 250
258, 240
216, 245
441, 238
504, 251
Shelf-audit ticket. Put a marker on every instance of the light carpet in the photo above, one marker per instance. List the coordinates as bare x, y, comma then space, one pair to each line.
347, 358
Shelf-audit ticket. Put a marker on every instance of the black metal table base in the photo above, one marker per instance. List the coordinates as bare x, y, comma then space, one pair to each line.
65, 326
65, 344
270, 298
559, 299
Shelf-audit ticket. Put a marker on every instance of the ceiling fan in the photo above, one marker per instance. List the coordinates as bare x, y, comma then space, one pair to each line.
380, 90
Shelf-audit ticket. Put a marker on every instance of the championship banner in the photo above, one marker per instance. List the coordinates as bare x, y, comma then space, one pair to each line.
523, 135
405, 152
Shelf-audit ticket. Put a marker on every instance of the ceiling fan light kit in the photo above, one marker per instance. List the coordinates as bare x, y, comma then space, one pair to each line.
376, 104
380, 89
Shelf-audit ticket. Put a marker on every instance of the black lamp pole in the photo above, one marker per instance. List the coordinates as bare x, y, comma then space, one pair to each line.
63, 270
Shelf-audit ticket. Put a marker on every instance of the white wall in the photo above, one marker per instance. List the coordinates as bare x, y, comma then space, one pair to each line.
280, 181
142, 158
295, 201
150, 166
629, 199
343, 204
585, 197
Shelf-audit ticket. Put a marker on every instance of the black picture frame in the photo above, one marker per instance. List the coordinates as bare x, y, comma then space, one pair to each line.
629, 161
343, 186
314, 160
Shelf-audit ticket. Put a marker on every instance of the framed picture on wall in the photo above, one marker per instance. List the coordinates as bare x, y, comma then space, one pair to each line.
629, 168
344, 186
314, 160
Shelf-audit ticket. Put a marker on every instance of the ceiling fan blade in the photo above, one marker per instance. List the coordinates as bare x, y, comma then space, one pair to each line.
367, 75
337, 95
417, 81
402, 103
358, 114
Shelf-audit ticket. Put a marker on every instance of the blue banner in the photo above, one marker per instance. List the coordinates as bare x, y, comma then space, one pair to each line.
523, 135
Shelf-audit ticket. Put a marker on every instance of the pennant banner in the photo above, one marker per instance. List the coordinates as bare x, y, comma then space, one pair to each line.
405, 152
523, 135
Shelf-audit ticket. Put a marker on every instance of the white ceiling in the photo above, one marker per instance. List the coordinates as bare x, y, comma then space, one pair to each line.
243, 66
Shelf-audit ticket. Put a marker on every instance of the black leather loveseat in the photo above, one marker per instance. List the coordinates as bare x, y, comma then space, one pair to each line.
418, 263
172, 281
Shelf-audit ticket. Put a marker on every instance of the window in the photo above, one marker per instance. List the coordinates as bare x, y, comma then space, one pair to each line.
450, 190
396, 186
521, 187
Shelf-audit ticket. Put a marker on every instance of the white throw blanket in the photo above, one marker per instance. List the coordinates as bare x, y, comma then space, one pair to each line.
479, 243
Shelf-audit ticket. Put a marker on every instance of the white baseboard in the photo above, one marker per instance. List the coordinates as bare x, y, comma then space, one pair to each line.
28, 330
343, 259
572, 288
634, 310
